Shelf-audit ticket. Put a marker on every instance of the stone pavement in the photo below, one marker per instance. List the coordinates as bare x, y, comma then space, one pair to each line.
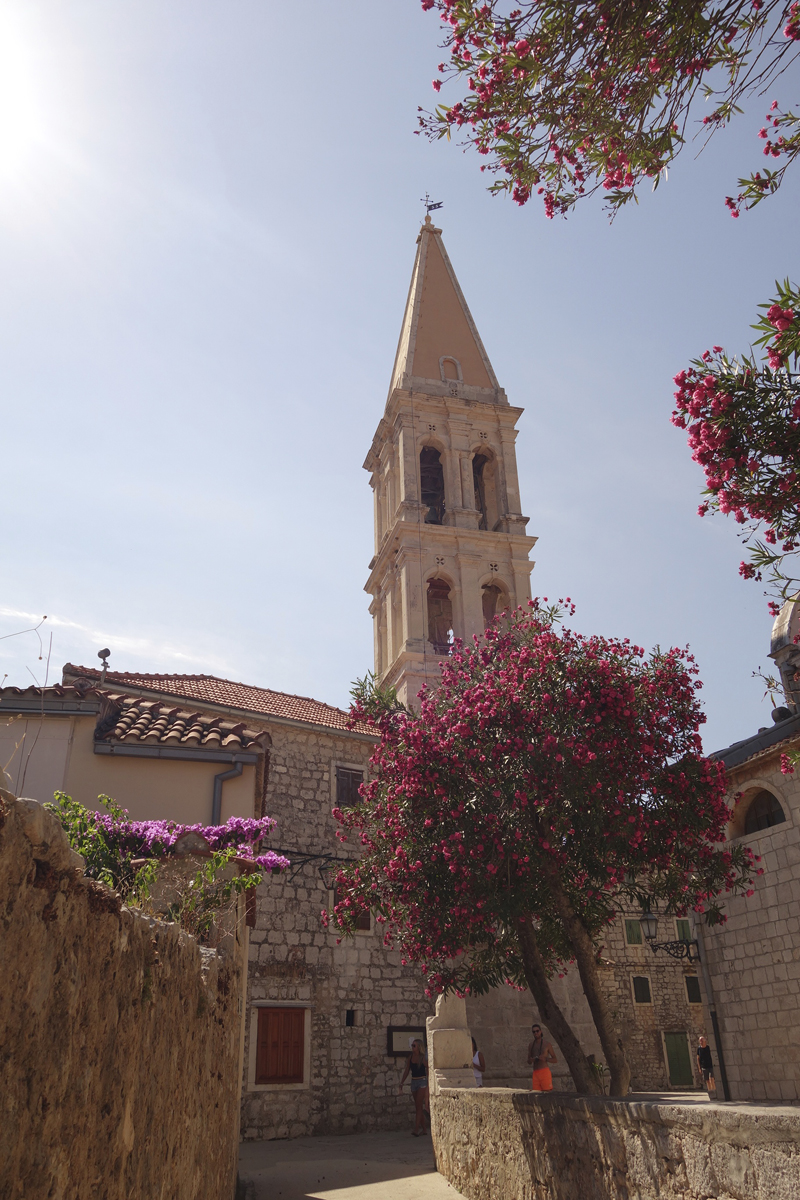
358, 1166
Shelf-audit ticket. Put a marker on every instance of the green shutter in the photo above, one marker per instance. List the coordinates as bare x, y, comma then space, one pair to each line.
633, 933
684, 929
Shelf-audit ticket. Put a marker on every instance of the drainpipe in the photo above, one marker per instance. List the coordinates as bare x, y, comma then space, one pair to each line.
712, 1009
216, 805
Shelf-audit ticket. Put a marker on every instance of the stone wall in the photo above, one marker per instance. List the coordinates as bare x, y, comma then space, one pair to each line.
491, 1143
350, 1083
754, 959
119, 1037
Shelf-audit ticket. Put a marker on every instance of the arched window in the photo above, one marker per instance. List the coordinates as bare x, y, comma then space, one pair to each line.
440, 616
432, 485
763, 811
494, 601
478, 463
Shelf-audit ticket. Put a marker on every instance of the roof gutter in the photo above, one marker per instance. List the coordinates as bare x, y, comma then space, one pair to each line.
216, 803
179, 752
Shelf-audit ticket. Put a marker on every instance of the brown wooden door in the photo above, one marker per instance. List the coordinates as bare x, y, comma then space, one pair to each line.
281, 1045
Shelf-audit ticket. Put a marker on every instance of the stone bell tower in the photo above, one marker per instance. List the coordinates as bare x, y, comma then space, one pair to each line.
450, 542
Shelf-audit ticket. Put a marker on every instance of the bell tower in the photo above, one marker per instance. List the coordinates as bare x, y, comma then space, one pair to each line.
450, 542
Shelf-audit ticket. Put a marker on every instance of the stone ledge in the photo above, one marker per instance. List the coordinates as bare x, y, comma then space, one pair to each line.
501, 1141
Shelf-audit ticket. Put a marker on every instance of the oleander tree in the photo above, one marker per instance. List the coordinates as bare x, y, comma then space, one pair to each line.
550, 778
564, 100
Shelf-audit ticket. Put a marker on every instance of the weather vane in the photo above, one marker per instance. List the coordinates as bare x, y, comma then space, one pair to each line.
430, 206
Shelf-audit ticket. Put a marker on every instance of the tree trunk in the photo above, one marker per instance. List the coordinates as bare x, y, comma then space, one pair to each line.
584, 1078
586, 958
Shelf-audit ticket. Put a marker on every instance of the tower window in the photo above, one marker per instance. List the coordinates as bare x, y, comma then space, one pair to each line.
763, 811
432, 485
440, 616
493, 602
478, 463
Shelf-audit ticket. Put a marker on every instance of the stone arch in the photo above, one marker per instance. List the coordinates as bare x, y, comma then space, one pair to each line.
760, 807
450, 369
486, 489
495, 597
431, 484
439, 596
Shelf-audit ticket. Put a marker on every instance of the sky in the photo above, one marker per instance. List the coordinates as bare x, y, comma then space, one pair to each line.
208, 216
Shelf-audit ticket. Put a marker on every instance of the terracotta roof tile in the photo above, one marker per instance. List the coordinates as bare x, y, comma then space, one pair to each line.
223, 692
130, 719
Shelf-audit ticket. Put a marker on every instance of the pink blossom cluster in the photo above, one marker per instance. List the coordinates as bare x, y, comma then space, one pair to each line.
555, 94
158, 837
542, 750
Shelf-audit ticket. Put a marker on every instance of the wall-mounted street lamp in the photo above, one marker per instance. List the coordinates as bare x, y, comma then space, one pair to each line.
680, 948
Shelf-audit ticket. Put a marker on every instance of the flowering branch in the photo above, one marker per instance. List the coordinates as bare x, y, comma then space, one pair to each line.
565, 98
743, 422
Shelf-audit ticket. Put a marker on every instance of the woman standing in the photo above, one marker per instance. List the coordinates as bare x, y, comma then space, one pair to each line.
417, 1064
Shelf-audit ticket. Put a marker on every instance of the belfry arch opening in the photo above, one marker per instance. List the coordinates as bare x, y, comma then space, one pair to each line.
485, 490
494, 601
431, 474
440, 616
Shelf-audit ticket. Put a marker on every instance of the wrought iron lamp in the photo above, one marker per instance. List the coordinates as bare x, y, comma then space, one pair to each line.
680, 948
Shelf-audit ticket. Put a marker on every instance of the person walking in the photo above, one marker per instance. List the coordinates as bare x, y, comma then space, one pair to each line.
478, 1064
706, 1065
540, 1055
417, 1065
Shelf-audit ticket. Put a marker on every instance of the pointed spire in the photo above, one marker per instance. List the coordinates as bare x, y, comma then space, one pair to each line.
440, 348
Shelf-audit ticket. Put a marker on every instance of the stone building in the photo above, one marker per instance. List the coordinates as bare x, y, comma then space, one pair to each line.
754, 959
326, 1024
450, 542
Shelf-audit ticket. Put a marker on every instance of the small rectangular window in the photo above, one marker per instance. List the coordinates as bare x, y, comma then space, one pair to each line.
280, 1051
641, 989
693, 989
348, 782
363, 920
350, 1017
633, 933
683, 928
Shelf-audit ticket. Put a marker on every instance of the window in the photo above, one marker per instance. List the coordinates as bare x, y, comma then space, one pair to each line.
683, 929
763, 812
431, 475
693, 989
493, 602
641, 990
633, 933
348, 782
280, 1051
363, 920
478, 463
350, 1017
440, 616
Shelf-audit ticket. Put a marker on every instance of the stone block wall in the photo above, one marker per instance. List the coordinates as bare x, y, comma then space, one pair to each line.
120, 1037
350, 1082
754, 959
496, 1142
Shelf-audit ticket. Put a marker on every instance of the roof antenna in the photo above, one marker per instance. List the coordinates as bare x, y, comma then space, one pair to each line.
431, 206
103, 654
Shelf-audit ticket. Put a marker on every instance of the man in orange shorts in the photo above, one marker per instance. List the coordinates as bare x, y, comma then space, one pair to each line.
540, 1055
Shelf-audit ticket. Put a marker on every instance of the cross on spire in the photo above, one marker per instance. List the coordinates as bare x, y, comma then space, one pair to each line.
430, 205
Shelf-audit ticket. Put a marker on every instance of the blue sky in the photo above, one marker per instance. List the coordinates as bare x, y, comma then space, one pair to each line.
207, 223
